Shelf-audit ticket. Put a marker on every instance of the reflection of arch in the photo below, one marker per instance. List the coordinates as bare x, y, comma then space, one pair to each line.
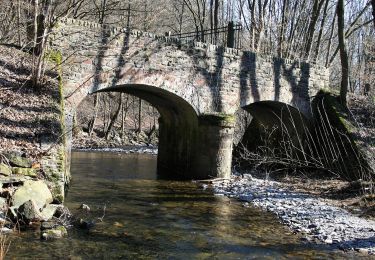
273, 119
178, 126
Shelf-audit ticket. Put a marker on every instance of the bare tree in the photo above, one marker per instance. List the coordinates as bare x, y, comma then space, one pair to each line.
343, 53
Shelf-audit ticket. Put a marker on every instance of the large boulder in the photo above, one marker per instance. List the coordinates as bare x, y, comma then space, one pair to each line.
5, 169
16, 159
29, 212
35, 190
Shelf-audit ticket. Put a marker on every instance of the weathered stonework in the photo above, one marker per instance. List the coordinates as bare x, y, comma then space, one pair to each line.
183, 81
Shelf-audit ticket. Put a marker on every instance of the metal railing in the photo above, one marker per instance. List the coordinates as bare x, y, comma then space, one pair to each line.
228, 36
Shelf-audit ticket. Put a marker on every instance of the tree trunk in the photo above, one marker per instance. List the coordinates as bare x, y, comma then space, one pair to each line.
139, 116
124, 110
373, 10
216, 20
310, 33
212, 21
343, 53
320, 31
19, 22
282, 28
93, 120
114, 118
102, 11
330, 40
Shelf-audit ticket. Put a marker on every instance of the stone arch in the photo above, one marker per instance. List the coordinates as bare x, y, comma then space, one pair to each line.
178, 127
273, 120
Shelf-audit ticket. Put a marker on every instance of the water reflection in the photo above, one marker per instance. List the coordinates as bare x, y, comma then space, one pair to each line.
146, 218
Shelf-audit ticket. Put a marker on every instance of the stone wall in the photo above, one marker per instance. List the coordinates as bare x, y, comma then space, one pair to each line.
210, 78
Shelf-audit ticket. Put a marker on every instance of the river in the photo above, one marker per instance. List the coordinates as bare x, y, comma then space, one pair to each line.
146, 218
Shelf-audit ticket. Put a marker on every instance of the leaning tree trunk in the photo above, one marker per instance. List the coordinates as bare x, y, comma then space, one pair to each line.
317, 48
93, 120
139, 116
311, 29
114, 118
343, 53
124, 109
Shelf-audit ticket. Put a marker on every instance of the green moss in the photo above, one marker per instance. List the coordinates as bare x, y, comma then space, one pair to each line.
62, 229
332, 121
220, 119
336, 113
58, 178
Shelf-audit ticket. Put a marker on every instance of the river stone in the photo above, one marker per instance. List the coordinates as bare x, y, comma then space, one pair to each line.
17, 160
48, 212
29, 211
48, 225
36, 190
24, 171
57, 232
5, 169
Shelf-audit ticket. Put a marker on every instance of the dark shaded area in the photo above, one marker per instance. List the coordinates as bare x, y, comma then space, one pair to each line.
178, 126
248, 72
21, 70
273, 124
105, 33
35, 109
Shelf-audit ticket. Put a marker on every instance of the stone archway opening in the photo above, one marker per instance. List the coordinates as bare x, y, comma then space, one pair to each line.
115, 120
177, 129
275, 130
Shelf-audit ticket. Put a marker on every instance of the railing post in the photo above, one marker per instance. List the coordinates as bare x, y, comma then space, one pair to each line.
230, 35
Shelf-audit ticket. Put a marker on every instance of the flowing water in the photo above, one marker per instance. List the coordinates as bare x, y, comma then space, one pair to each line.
146, 218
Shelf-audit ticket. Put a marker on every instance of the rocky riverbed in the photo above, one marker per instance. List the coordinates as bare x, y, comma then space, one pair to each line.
314, 217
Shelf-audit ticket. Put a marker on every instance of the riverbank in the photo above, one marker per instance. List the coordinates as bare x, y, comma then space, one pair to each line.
319, 220
33, 170
140, 149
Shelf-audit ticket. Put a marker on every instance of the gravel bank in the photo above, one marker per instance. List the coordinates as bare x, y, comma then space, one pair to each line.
315, 218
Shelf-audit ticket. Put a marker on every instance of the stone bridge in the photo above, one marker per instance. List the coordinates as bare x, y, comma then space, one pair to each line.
196, 87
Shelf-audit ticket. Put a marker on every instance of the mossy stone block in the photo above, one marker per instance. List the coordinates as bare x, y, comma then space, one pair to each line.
18, 161
5, 169
24, 171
